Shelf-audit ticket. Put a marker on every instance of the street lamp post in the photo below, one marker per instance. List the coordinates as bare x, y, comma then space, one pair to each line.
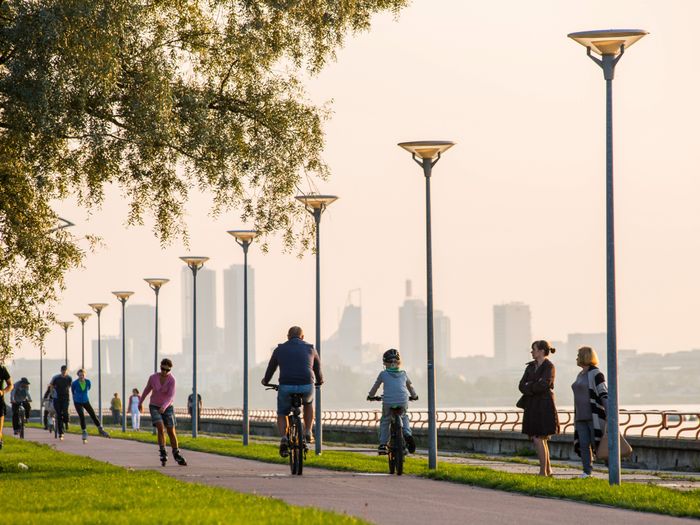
123, 297
316, 204
83, 317
244, 238
156, 284
66, 325
195, 264
610, 45
426, 154
97, 308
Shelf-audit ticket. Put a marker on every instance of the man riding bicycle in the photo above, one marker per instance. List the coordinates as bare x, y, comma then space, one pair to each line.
20, 397
300, 367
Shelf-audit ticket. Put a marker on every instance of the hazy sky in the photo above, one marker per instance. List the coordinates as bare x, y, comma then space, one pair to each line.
518, 203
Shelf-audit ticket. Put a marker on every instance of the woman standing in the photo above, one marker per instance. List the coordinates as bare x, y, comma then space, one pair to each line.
134, 401
540, 419
590, 407
80, 388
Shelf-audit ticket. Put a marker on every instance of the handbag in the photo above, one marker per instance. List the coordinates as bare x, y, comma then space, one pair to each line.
522, 402
603, 453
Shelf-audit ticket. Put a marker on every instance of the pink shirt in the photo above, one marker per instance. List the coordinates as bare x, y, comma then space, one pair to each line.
163, 395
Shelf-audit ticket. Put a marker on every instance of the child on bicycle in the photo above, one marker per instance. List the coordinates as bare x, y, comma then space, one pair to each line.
398, 389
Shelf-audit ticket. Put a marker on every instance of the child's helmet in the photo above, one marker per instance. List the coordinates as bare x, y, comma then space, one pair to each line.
391, 355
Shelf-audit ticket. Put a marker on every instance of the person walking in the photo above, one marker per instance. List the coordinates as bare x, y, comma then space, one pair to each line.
590, 407
540, 420
199, 408
20, 397
299, 366
116, 407
81, 402
62, 386
161, 408
5, 388
133, 405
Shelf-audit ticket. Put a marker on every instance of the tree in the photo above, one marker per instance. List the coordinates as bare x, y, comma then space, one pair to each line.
158, 97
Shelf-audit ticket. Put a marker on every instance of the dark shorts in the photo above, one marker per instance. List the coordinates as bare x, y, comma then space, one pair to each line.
284, 401
3, 407
167, 417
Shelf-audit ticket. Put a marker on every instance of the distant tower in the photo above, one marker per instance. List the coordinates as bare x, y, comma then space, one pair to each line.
344, 347
413, 338
512, 334
233, 315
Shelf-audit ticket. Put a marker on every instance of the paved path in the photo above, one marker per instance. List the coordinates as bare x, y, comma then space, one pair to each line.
380, 499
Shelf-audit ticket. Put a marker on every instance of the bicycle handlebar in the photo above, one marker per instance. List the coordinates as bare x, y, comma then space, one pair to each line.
380, 398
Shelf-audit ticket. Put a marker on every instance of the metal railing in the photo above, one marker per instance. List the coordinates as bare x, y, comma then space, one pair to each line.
644, 423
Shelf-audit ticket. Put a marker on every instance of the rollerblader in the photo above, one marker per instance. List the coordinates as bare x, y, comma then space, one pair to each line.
80, 388
162, 387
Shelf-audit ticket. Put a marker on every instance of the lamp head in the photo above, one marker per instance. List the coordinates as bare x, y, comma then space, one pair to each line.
83, 317
194, 262
65, 324
427, 149
315, 201
98, 307
243, 236
123, 296
608, 41
156, 282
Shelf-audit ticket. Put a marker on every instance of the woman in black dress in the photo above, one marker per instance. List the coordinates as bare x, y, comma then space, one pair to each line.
540, 419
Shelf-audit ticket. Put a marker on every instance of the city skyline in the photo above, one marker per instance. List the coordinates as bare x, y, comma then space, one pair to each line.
518, 202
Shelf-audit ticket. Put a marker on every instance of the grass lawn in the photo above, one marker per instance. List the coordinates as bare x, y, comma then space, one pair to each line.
648, 498
63, 488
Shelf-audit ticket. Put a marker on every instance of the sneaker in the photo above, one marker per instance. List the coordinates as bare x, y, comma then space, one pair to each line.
284, 447
382, 449
410, 444
103, 432
60, 436
308, 438
585, 476
85, 435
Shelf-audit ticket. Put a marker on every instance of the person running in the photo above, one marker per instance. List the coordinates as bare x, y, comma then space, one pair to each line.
161, 408
20, 397
134, 410
62, 385
5, 388
299, 366
81, 402
49, 409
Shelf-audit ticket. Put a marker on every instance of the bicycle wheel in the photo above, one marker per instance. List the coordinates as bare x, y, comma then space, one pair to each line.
296, 447
390, 448
21, 426
398, 445
291, 440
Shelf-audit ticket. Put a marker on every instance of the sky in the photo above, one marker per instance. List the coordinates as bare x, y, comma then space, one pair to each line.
518, 203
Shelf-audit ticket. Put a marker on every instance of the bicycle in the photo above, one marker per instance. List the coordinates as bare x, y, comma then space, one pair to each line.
396, 447
295, 434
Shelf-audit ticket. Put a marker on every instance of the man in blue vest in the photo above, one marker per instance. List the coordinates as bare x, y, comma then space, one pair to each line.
300, 368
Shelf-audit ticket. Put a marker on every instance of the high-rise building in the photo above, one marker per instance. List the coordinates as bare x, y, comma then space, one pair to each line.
233, 316
512, 334
344, 347
413, 338
208, 351
140, 339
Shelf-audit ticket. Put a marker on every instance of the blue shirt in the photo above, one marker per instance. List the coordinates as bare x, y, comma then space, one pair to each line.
80, 395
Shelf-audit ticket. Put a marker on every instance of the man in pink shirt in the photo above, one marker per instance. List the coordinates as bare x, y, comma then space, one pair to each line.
162, 388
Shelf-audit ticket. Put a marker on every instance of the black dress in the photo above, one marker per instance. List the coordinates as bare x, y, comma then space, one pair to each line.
540, 418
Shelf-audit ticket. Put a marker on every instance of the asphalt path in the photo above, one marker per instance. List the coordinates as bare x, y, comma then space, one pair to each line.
378, 498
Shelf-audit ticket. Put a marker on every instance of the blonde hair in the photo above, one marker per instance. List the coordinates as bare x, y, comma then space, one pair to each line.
587, 356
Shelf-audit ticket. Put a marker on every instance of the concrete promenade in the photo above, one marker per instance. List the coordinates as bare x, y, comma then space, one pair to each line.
380, 499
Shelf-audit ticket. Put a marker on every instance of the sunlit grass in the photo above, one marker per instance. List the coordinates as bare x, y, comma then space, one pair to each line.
63, 488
